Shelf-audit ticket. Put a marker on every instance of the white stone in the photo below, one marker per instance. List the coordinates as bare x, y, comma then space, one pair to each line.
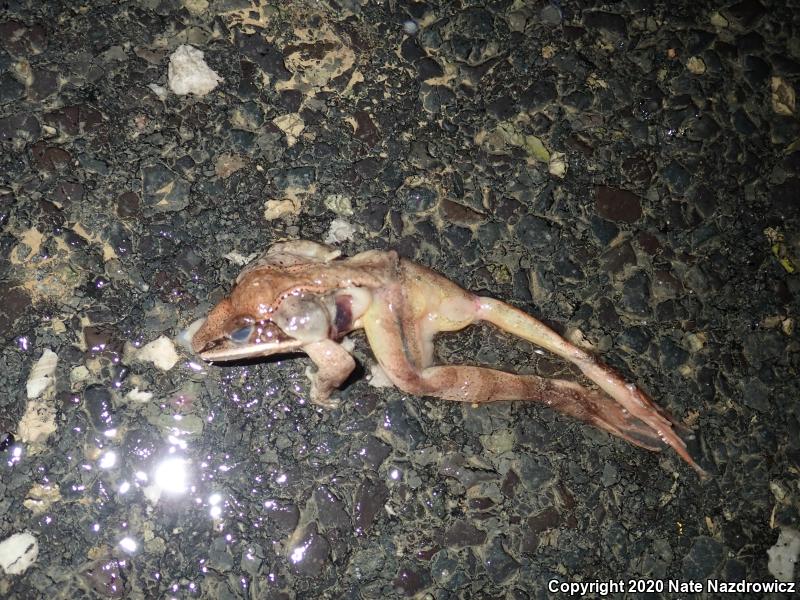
42, 374
78, 374
137, 395
277, 209
18, 552
783, 555
410, 27
557, 165
38, 422
240, 259
188, 73
161, 352
340, 231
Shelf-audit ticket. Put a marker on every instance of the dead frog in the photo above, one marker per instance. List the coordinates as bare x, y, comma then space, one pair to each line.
300, 296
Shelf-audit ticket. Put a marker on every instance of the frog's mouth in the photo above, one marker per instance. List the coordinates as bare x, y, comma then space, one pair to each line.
269, 340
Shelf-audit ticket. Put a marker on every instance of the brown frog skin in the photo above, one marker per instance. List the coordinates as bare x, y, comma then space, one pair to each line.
299, 296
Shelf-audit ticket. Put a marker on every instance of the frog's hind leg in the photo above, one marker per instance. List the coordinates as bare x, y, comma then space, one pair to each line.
627, 398
480, 384
402, 349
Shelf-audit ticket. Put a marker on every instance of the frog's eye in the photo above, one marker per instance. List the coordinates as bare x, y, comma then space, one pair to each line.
240, 330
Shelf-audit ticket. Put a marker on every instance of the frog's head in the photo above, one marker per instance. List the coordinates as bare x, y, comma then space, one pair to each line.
260, 319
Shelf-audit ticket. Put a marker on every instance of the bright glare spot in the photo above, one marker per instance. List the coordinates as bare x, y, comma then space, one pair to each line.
395, 474
299, 552
176, 441
215, 512
124, 487
128, 544
214, 499
281, 478
171, 475
110, 433
141, 476
108, 460
178, 417
96, 527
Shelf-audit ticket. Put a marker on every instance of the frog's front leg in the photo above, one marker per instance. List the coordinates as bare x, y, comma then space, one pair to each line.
334, 365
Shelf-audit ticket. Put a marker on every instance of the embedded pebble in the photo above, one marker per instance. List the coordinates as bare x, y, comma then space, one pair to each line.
696, 65
160, 352
239, 259
40, 498
278, 209
78, 375
367, 505
158, 90
783, 555
617, 205
188, 72
557, 165
497, 562
42, 375
418, 199
100, 407
137, 395
783, 96
340, 231
18, 552
550, 14
228, 164
340, 204
308, 553
38, 421
410, 27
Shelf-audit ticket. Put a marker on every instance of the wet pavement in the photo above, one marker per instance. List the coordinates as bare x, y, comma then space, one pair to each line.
629, 175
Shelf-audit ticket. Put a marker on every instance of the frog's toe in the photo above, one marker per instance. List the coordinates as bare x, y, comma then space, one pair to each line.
324, 400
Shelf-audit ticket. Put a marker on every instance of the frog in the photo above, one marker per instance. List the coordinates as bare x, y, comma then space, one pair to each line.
302, 296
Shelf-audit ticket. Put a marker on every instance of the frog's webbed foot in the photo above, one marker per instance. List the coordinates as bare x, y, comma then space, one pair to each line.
334, 365
635, 413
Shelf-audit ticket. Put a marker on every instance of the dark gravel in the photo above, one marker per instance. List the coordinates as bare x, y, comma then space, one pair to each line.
671, 242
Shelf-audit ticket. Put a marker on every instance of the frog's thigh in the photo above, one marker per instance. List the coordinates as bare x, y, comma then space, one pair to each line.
403, 348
